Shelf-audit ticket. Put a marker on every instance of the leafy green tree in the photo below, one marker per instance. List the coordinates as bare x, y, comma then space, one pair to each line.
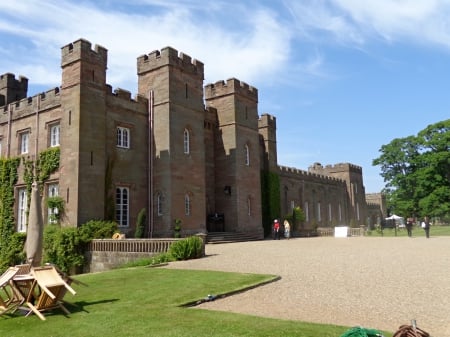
416, 170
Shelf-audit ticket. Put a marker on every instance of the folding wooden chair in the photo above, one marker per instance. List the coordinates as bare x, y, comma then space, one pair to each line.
49, 289
9, 297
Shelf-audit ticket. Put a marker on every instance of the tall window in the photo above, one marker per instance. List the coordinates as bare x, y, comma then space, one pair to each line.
186, 141
329, 212
54, 135
123, 137
24, 142
122, 206
53, 191
357, 211
159, 204
249, 206
22, 211
247, 155
340, 213
187, 205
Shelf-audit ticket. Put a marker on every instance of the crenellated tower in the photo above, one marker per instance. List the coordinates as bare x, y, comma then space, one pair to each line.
237, 154
83, 129
267, 125
178, 113
12, 89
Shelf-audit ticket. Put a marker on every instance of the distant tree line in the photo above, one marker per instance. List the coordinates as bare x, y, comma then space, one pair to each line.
416, 170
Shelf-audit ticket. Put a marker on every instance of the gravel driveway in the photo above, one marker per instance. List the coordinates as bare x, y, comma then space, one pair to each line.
374, 282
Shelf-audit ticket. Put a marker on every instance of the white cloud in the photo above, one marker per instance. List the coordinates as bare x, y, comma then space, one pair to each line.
255, 48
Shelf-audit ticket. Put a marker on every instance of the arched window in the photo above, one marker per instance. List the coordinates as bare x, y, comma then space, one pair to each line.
247, 155
186, 141
187, 204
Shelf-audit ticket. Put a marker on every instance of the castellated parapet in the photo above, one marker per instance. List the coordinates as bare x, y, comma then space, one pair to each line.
306, 175
267, 120
340, 167
82, 50
27, 106
230, 87
169, 56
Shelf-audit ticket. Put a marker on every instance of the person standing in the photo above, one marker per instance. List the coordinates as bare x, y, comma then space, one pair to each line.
287, 229
276, 230
409, 226
426, 226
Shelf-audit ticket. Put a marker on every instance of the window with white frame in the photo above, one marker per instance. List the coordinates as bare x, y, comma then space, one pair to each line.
22, 210
122, 206
187, 204
292, 204
159, 204
24, 142
186, 141
54, 135
247, 155
53, 191
123, 137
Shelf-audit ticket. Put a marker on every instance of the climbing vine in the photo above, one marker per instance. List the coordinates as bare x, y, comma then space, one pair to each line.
47, 163
8, 178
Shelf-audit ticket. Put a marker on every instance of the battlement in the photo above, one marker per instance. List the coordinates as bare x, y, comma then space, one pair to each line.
12, 89
231, 86
9, 80
82, 50
340, 167
307, 175
27, 106
169, 56
125, 96
267, 120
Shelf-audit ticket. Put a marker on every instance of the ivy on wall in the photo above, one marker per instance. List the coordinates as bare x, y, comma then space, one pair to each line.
47, 163
8, 178
270, 199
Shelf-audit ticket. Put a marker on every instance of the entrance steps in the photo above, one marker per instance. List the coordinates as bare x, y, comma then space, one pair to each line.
229, 237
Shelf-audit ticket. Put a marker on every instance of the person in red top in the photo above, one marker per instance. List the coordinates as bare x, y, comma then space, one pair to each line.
276, 230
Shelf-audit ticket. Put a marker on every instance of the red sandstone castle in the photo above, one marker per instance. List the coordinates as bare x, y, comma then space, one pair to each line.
179, 149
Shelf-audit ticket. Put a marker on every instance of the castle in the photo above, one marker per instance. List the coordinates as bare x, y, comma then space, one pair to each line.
178, 148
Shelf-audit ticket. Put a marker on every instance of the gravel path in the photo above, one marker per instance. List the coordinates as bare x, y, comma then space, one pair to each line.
377, 283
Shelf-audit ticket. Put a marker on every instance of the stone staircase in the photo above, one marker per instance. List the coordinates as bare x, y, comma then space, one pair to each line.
229, 237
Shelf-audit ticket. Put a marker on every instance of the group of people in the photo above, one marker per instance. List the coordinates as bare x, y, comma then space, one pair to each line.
277, 230
425, 224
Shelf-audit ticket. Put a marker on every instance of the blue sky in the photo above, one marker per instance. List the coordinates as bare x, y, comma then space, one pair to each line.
342, 77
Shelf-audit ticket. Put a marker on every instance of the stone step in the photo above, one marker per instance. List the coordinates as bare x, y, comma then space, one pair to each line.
229, 237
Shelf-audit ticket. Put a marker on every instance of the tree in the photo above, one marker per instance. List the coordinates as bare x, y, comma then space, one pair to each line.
416, 170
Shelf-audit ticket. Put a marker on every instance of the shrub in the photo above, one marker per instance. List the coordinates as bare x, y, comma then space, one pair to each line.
140, 224
65, 246
14, 252
189, 248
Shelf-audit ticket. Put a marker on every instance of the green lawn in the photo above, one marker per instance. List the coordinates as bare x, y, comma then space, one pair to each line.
147, 302
417, 232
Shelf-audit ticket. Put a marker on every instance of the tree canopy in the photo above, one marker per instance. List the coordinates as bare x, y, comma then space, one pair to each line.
416, 170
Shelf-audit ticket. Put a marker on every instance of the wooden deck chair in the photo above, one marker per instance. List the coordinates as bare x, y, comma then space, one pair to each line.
24, 269
50, 289
9, 299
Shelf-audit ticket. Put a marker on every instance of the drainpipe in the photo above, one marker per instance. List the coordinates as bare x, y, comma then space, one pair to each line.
150, 161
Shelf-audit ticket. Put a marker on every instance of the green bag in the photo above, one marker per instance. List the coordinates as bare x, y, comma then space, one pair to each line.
362, 332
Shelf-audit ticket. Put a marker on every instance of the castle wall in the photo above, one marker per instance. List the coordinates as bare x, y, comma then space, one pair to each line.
229, 145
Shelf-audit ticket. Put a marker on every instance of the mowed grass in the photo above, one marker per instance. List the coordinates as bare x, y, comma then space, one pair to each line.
417, 232
148, 302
